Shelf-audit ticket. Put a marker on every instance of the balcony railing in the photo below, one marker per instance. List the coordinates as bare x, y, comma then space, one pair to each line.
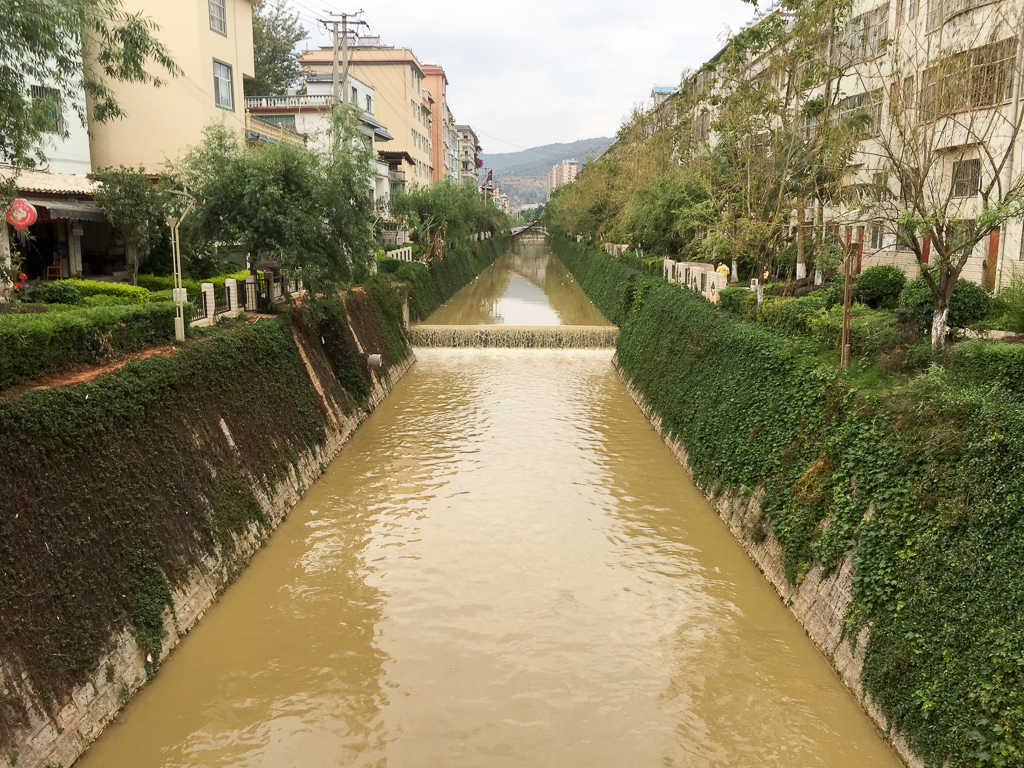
398, 176
288, 102
274, 132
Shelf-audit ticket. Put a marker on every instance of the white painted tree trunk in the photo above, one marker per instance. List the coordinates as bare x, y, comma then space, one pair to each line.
735, 276
940, 327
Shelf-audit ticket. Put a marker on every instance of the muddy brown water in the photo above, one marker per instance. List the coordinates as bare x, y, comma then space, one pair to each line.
506, 567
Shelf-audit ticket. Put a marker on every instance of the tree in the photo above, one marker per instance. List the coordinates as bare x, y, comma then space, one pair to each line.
457, 208
275, 32
309, 211
68, 47
134, 207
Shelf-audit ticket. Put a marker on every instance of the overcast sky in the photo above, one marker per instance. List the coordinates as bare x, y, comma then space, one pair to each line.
534, 72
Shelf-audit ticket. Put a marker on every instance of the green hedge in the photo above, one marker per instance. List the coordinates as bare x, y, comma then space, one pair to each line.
986, 363
130, 294
921, 488
606, 280
156, 284
35, 345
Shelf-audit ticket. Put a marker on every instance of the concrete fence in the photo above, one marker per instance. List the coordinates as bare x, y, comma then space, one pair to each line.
402, 254
481, 236
616, 250
696, 276
235, 298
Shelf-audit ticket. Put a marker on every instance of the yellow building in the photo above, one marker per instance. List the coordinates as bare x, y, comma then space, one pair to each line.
211, 40
402, 103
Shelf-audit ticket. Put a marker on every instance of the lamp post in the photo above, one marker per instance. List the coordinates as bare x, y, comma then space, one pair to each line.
178, 294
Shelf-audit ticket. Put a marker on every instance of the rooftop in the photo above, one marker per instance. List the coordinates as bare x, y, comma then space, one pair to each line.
49, 183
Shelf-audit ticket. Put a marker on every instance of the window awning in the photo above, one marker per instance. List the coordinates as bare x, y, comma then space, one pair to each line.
73, 210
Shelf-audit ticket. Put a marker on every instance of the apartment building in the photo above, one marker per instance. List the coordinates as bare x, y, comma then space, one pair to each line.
563, 173
211, 40
469, 155
940, 83
402, 102
443, 138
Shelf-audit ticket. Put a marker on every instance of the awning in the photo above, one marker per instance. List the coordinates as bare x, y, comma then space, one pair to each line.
74, 210
378, 130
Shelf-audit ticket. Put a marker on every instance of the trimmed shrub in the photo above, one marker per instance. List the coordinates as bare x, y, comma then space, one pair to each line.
987, 363
871, 331
35, 345
103, 300
130, 293
59, 292
738, 301
970, 304
881, 286
155, 284
791, 316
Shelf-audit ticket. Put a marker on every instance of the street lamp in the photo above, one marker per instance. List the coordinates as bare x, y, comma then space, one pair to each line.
178, 294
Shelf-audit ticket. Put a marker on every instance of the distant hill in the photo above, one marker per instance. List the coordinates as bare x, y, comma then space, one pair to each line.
524, 174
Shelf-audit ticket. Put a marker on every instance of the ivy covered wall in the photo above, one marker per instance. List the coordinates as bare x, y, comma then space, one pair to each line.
919, 483
116, 489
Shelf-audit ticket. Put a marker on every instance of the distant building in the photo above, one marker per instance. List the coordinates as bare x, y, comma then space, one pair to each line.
563, 173
469, 154
444, 145
660, 93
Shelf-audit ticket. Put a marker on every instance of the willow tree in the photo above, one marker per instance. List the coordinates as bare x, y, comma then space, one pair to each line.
946, 161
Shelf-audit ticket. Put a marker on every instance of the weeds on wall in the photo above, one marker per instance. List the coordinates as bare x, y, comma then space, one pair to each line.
920, 486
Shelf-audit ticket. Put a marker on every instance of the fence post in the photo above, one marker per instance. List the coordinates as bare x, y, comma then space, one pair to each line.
231, 289
209, 300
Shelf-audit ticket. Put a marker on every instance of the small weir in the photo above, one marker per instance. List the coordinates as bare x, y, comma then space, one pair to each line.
513, 337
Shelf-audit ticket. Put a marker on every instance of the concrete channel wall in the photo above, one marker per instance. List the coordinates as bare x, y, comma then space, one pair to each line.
820, 602
512, 337
57, 739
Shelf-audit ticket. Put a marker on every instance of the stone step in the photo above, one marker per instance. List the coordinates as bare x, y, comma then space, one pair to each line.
513, 337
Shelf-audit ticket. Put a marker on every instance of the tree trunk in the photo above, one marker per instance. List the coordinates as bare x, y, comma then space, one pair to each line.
801, 252
940, 324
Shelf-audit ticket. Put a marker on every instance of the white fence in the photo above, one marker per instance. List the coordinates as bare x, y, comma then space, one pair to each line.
481, 236
615, 250
402, 254
698, 277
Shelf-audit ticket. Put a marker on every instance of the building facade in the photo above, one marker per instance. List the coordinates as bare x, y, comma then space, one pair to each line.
402, 102
563, 173
941, 86
211, 41
441, 148
469, 155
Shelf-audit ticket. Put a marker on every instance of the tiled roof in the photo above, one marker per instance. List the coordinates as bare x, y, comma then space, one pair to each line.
50, 183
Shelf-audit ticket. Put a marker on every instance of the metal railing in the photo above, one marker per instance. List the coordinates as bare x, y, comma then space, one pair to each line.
199, 309
273, 131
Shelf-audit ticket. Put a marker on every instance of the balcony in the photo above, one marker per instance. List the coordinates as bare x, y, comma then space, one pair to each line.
397, 176
261, 131
289, 102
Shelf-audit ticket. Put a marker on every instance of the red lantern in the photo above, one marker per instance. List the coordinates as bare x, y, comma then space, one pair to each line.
22, 214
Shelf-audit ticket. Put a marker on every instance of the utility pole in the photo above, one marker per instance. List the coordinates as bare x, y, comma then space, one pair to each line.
341, 91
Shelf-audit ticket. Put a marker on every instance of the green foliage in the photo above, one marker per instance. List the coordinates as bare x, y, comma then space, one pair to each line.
430, 287
920, 488
308, 211
59, 292
1011, 302
970, 304
46, 40
739, 301
275, 33
35, 345
154, 283
881, 286
134, 208
791, 316
119, 486
457, 207
129, 293
606, 280
871, 331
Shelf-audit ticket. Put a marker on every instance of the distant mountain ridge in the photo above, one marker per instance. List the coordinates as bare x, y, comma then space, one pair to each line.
524, 174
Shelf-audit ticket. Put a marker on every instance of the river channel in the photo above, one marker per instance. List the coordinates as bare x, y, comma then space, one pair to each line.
505, 567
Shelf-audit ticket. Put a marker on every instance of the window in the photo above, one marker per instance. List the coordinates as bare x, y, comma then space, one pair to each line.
880, 187
944, 10
966, 178
219, 17
981, 77
223, 86
355, 96
904, 239
285, 121
864, 35
369, 104
869, 103
51, 102
876, 237
907, 10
